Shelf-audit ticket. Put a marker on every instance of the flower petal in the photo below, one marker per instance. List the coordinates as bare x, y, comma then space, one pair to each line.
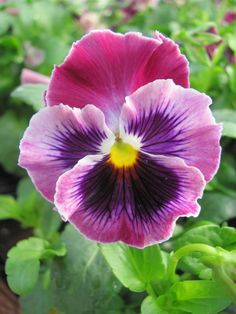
167, 62
57, 138
137, 205
104, 67
32, 77
170, 120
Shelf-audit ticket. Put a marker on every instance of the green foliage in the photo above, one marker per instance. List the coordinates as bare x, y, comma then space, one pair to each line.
31, 94
82, 282
31, 210
196, 296
11, 131
210, 234
228, 118
135, 268
23, 263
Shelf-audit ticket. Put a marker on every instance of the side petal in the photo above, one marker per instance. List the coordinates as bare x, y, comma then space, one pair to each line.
57, 138
170, 120
137, 205
104, 67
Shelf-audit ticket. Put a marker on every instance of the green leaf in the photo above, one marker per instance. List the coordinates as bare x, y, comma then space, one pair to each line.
204, 38
5, 22
210, 234
23, 263
135, 268
217, 207
8, 207
229, 129
31, 94
228, 118
195, 296
82, 282
22, 267
40, 300
150, 306
11, 131
35, 211
225, 115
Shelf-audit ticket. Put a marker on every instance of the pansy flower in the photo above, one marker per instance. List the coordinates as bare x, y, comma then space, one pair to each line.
123, 147
211, 49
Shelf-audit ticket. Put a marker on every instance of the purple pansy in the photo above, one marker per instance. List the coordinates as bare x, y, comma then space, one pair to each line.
123, 147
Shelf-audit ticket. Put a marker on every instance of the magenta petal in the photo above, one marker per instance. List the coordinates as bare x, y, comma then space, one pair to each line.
173, 121
56, 139
104, 67
167, 62
137, 205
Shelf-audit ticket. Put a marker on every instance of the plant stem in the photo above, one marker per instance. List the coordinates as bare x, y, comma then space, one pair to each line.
187, 249
151, 291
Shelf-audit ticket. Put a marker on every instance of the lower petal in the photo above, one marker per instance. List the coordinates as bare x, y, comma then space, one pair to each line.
137, 205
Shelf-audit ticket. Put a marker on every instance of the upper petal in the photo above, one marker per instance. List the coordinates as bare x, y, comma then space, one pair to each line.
170, 120
104, 67
137, 205
57, 138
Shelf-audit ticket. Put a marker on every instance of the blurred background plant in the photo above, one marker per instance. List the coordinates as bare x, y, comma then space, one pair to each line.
35, 35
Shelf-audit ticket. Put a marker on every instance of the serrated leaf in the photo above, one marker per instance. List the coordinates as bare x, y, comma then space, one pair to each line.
22, 266
23, 263
135, 268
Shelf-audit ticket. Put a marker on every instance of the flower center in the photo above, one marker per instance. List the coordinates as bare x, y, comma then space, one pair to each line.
123, 154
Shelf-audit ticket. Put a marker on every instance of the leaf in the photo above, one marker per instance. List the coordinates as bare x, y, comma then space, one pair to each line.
82, 282
40, 300
209, 234
23, 263
204, 38
5, 22
150, 306
135, 268
217, 207
8, 207
228, 118
35, 211
31, 94
194, 296
229, 129
22, 266
225, 115
11, 131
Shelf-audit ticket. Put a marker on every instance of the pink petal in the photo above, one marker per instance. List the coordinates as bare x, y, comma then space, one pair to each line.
31, 77
104, 67
170, 120
56, 139
138, 205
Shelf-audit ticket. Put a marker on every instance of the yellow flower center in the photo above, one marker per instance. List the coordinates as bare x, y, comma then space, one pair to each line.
123, 154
